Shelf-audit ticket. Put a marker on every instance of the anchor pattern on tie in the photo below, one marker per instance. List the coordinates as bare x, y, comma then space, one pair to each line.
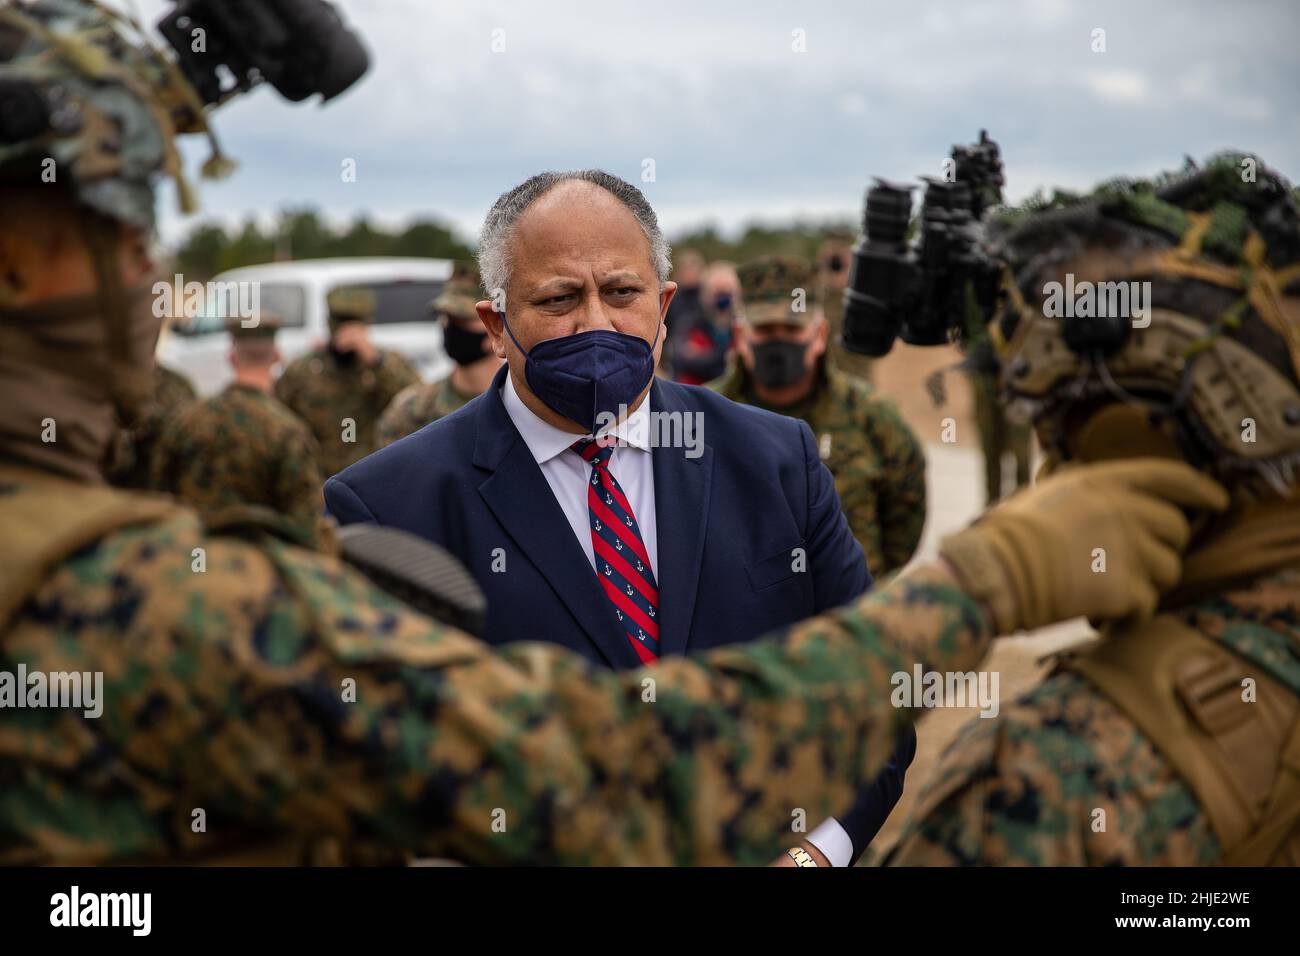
625, 573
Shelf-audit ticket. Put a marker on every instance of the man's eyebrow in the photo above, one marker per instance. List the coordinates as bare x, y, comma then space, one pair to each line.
621, 275
556, 286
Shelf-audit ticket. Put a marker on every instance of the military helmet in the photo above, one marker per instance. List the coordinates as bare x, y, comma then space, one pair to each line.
1176, 298
778, 290
461, 292
86, 100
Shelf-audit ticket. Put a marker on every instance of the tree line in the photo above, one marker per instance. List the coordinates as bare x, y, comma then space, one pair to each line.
211, 247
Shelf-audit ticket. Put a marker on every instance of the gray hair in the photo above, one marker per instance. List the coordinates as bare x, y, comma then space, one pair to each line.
494, 258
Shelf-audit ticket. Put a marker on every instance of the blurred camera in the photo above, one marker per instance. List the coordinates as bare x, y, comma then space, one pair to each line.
923, 289
300, 47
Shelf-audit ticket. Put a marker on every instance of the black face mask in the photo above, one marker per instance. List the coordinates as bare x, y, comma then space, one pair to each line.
464, 347
779, 364
344, 359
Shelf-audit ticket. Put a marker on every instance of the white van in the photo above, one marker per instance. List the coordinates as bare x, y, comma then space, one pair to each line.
295, 291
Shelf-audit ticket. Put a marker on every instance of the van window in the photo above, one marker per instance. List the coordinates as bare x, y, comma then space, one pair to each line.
284, 299
403, 300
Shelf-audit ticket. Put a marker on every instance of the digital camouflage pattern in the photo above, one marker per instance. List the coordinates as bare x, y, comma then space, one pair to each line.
324, 390
876, 461
287, 698
135, 447
1024, 787
416, 406
241, 447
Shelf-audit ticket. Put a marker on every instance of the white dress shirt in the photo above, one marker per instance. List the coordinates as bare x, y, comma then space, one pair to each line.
568, 474
632, 465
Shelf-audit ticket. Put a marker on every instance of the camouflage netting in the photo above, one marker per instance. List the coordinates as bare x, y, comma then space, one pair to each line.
1220, 246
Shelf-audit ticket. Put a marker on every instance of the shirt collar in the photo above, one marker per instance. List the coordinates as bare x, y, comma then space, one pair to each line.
545, 441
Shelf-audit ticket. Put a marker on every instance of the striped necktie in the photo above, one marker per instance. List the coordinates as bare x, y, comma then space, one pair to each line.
622, 564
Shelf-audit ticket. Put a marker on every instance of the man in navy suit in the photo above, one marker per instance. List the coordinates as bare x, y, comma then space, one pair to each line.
599, 507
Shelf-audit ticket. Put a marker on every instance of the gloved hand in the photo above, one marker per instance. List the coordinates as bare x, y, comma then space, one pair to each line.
1034, 559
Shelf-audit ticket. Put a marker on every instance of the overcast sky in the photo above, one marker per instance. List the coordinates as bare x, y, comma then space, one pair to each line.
741, 126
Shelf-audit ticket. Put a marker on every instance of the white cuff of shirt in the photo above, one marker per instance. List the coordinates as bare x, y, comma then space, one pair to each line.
833, 841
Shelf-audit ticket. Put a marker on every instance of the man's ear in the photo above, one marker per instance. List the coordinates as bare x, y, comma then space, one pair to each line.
666, 294
494, 325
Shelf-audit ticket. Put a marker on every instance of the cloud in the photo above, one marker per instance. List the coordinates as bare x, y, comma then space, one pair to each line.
739, 123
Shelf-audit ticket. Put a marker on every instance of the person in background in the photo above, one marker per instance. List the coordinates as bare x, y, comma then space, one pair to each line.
341, 388
243, 448
781, 364
833, 261
684, 310
466, 342
700, 348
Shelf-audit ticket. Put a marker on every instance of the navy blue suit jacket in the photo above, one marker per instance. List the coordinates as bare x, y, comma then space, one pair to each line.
728, 524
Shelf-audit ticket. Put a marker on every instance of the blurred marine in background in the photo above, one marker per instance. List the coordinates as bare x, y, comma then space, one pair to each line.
242, 447
781, 364
466, 342
342, 388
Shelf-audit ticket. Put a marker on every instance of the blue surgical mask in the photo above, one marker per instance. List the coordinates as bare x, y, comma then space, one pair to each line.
580, 376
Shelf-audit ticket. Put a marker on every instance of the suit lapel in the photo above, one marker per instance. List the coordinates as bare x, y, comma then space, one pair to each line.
681, 514
522, 501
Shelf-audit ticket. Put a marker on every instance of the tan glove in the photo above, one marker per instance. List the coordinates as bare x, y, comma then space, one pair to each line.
1037, 558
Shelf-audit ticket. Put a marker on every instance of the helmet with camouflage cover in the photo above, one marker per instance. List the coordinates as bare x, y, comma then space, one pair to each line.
1160, 316
86, 100
778, 290
461, 292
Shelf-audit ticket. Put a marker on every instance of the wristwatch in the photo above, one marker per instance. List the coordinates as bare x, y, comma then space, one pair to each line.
800, 856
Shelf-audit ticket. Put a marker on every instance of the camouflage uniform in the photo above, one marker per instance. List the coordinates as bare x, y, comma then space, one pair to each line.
312, 717
241, 447
416, 406
1079, 771
130, 464
324, 390
877, 463
1025, 787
